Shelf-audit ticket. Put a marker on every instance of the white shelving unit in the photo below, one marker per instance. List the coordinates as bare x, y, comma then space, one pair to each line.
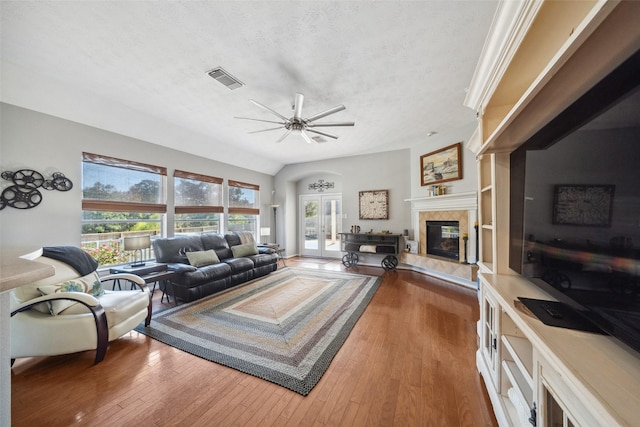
562, 375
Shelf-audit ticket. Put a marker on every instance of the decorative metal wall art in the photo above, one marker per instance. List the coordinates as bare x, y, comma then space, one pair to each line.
321, 185
24, 193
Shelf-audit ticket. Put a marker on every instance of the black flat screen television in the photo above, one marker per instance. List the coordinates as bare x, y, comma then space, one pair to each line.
575, 206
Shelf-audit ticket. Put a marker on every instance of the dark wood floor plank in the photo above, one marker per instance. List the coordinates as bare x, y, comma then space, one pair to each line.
409, 361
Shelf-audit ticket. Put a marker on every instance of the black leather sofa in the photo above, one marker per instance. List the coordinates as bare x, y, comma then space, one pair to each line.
191, 283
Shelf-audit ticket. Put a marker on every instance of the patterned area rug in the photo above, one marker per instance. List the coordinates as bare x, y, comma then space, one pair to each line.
285, 327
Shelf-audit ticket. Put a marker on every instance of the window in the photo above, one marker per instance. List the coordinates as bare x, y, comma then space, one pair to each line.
244, 207
120, 198
198, 201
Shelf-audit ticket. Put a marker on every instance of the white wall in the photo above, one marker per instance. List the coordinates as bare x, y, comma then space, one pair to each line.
380, 171
31, 140
586, 157
469, 181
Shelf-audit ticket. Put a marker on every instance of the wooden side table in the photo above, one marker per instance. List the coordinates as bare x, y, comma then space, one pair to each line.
276, 247
150, 273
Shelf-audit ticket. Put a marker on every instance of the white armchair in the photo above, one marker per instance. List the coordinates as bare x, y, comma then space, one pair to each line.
68, 313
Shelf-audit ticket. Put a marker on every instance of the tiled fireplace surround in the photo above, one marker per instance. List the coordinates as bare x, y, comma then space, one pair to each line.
461, 207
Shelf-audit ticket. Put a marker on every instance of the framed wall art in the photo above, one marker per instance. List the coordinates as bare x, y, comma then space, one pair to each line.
441, 165
374, 204
585, 205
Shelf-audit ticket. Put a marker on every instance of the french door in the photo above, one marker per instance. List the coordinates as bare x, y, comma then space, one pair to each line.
321, 223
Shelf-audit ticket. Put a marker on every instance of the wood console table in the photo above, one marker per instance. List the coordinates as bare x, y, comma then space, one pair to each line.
370, 243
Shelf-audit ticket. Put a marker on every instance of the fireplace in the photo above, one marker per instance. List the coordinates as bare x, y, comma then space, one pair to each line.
443, 239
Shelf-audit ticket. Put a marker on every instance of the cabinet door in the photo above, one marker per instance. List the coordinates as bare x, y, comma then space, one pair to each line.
555, 414
490, 334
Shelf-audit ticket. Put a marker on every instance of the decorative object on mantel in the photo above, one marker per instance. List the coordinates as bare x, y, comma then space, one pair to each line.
24, 193
465, 238
441, 165
374, 204
321, 185
475, 226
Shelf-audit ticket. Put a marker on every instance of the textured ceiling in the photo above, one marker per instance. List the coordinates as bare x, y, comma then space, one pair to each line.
139, 69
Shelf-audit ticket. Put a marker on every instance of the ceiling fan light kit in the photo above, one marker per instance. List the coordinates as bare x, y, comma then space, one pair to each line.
298, 123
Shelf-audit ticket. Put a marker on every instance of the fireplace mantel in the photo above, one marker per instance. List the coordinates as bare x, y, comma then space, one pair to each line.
447, 202
439, 206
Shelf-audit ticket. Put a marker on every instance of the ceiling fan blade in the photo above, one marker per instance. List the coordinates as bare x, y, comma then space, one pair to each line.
305, 136
266, 130
269, 110
326, 113
297, 106
260, 120
327, 124
322, 133
286, 134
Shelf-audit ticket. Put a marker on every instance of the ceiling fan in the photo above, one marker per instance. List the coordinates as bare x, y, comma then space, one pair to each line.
299, 124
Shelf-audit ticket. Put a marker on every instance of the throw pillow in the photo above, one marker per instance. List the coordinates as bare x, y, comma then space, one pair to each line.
202, 258
247, 249
89, 284
56, 306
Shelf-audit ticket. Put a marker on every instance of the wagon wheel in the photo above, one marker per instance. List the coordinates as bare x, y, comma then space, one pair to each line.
563, 281
28, 178
389, 262
557, 279
21, 197
350, 259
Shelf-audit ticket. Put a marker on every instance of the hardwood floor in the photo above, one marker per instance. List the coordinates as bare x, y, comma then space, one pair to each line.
409, 361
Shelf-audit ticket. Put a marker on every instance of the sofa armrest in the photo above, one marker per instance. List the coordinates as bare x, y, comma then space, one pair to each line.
265, 250
180, 267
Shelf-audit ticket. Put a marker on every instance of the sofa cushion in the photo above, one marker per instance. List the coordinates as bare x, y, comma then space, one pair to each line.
205, 274
174, 249
218, 243
202, 258
239, 265
263, 259
247, 249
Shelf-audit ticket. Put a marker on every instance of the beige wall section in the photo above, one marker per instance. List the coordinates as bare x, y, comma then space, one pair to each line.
380, 171
47, 144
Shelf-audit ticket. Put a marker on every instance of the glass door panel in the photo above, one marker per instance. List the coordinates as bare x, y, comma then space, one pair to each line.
321, 219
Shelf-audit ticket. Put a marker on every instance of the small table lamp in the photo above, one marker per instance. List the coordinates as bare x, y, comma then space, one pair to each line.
265, 234
137, 243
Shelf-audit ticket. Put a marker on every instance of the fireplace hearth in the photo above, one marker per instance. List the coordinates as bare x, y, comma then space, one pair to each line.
443, 239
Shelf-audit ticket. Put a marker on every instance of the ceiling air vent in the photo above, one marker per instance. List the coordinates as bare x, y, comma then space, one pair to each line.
319, 139
225, 78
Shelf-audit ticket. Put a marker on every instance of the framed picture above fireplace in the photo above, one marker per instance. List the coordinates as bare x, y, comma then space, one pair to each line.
441, 165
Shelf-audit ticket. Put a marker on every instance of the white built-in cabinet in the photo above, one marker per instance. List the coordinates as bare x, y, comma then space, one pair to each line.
540, 56
538, 375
